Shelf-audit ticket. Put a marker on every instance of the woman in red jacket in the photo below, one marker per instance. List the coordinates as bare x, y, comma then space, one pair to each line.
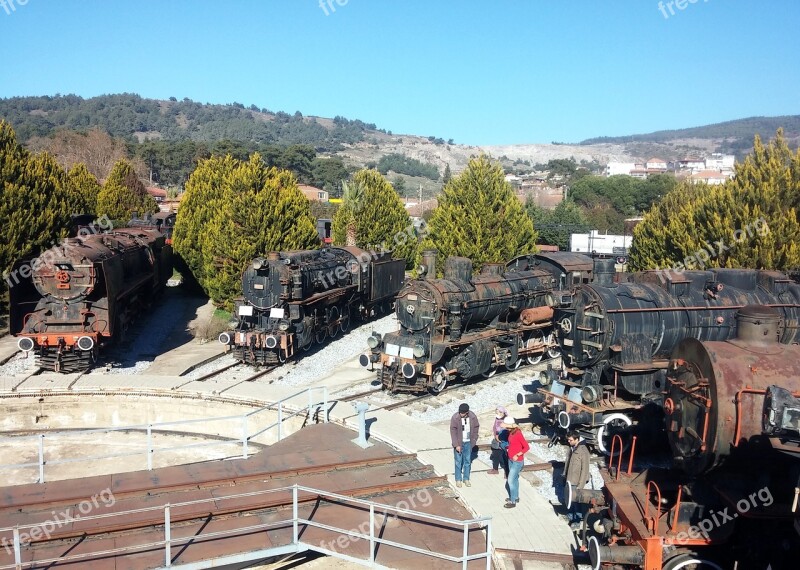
517, 448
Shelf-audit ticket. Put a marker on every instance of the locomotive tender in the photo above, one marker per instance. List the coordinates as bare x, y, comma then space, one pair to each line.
83, 293
616, 341
292, 299
730, 497
463, 326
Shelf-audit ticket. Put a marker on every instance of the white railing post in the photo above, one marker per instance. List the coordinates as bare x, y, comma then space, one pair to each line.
17, 549
325, 404
280, 421
295, 534
149, 447
371, 533
310, 410
244, 436
488, 545
167, 537
41, 458
466, 546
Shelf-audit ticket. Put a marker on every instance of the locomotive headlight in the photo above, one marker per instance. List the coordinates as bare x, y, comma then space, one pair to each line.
408, 370
25, 344
271, 341
224, 338
374, 340
544, 378
258, 263
284, 326
86, 343
419, 351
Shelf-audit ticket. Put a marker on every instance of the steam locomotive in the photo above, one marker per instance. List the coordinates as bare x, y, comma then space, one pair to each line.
83, 293
616, 340
292, 299
730, 497
463, 326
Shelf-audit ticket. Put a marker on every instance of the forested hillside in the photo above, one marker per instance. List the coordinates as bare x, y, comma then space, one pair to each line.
127, 115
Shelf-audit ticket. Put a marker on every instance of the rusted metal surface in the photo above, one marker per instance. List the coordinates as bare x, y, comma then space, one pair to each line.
318, 456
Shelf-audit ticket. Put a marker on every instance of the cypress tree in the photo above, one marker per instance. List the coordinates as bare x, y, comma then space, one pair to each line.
84, 188
234, 211
480, 217
375, 217
750, 221
123, 194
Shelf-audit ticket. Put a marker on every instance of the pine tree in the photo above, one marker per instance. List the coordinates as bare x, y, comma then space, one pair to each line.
447, 176
480, 217
374, 218
123, 194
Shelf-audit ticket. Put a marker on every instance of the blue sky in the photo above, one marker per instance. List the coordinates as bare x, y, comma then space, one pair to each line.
480, 72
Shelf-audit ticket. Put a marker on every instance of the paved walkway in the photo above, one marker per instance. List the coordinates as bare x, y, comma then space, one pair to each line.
532, 525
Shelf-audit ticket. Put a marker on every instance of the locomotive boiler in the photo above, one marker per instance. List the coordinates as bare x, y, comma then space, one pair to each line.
616, 341
466, 325
293, 299
729, 497
83, 293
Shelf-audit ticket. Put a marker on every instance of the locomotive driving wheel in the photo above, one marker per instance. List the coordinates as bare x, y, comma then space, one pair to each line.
554, 351
344, 323
614, 424
491, 372
321, 334
536, 339
689, 561
513, 365
439, 380
333, 321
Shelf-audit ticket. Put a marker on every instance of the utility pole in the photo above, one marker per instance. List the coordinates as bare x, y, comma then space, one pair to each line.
421, 205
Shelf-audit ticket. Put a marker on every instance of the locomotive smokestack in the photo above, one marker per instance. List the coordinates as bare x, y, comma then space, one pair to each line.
458, 269
604, 271
429, 263
273, 256
758, 324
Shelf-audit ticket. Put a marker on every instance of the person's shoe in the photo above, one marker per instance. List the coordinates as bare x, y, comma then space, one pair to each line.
576, 526
467, 483
492, 471
458, 483
510, 505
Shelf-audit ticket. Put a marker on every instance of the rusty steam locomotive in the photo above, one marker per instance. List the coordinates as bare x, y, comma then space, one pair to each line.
466, 325
83, 293
730, 497
616, 341
293, 299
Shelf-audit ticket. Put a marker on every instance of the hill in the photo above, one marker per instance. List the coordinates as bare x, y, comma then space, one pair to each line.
732, 137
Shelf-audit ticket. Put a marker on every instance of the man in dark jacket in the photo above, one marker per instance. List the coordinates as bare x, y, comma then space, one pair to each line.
576, 472
464, 436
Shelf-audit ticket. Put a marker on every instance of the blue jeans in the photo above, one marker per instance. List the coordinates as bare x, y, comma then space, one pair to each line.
512, 484
463, 461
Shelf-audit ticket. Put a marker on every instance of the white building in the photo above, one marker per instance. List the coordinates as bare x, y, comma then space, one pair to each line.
656, 164
711, 177
614, 168
720, 162
596, 242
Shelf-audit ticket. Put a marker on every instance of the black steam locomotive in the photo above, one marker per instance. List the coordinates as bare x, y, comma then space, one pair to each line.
729, 499
466, 325
616, 341
292, 299
84, 292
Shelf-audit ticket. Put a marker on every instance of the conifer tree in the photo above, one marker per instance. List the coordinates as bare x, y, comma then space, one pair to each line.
374, 217
123, 194
750, 221
84, 187
480, 217
234, 211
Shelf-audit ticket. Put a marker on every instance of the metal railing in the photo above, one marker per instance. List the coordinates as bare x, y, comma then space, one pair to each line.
296, 544
285, 412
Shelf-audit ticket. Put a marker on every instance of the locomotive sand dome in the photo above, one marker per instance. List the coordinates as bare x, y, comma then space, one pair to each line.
292, 299
84, 292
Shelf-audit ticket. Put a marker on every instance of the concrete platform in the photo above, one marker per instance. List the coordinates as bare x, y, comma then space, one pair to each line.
533, 525
8, 348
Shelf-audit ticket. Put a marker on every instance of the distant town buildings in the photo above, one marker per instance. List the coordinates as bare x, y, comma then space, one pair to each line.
712, 169
536, 187
595, 242
313, 193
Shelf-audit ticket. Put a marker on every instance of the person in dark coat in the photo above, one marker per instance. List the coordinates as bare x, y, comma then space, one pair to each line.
499, 435
576, 472
464, 428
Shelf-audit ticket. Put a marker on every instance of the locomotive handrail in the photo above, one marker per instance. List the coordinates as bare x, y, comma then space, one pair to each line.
657, 518
619, 457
